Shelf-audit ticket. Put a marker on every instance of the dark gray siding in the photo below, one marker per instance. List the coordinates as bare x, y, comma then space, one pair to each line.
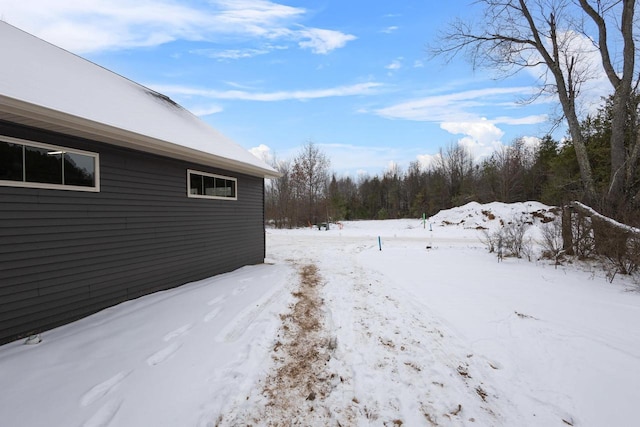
66, 254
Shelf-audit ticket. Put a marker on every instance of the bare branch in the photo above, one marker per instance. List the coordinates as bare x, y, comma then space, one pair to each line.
602, 44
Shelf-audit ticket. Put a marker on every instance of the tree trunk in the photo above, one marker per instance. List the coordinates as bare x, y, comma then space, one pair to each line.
622, 95
567, 234
632, 161
582, 156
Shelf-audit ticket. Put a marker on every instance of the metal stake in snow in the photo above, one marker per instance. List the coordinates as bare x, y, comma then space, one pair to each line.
379, 243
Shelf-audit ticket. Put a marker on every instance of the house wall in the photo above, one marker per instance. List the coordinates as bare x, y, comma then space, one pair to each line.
67, 254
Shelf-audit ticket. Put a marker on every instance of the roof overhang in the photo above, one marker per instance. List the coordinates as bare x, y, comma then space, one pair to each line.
24, 113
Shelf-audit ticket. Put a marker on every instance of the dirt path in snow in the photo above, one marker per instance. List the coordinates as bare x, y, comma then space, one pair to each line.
302, 379
353, 351
295, 391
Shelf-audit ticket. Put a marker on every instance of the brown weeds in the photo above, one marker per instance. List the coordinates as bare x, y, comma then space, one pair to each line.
300, 380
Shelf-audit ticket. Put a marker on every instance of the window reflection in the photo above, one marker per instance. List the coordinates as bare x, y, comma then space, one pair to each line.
195, 184
39, 164
43, 165
207, 185
11, 162
79, 170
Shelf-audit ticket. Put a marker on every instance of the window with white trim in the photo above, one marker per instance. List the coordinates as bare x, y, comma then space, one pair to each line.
37, 165
210, 186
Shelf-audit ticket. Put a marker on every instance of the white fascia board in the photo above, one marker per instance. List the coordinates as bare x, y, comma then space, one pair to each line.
49, 119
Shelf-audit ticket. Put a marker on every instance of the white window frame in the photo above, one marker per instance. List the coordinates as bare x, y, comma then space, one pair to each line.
47, 186
213, 175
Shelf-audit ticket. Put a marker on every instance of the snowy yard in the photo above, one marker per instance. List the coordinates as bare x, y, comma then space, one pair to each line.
333, 331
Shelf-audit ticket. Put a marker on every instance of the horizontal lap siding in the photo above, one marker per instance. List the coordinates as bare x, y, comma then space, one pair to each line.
67, 254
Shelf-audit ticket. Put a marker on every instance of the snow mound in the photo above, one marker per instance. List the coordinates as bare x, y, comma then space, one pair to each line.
474, 215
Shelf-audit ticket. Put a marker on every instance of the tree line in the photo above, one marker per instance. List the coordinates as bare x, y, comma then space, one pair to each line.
310, 193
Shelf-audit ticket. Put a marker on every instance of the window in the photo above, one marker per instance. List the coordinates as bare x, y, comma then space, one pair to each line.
209, 186
36, 165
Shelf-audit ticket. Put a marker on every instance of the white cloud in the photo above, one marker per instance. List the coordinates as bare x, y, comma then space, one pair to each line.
418, 64
480, 137
353, 160
351, 90
95, 25
390, 29
459, 114
205, 110
263, 152
239, 85
527, 120
230, 53
531, 141
396, 64
456, 106
393, 167
428, 160
323, 41
482, 131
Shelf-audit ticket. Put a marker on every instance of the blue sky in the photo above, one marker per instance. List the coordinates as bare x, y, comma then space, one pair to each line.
352, 76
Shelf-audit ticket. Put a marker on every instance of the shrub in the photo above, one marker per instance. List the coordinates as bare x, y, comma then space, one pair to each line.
552, 245
513, 236
510, 239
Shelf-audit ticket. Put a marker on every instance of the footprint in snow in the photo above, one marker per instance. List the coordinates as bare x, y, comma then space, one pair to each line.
239, 290
100, 390
178, 332
495, 364
244, 320
212, 314
104, 415
163, 355
216, 300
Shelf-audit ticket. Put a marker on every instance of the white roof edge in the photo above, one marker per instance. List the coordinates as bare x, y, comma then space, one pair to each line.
49, 119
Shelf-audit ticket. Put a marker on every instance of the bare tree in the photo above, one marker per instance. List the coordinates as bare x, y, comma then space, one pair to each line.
456, 165
414, 187
507, 167
279, 200
392, 195
310, 176
519, 34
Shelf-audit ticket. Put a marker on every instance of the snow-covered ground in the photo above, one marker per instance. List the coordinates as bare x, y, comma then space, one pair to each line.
334, 331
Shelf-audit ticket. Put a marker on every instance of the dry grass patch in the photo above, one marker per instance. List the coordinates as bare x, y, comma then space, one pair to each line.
301, 380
